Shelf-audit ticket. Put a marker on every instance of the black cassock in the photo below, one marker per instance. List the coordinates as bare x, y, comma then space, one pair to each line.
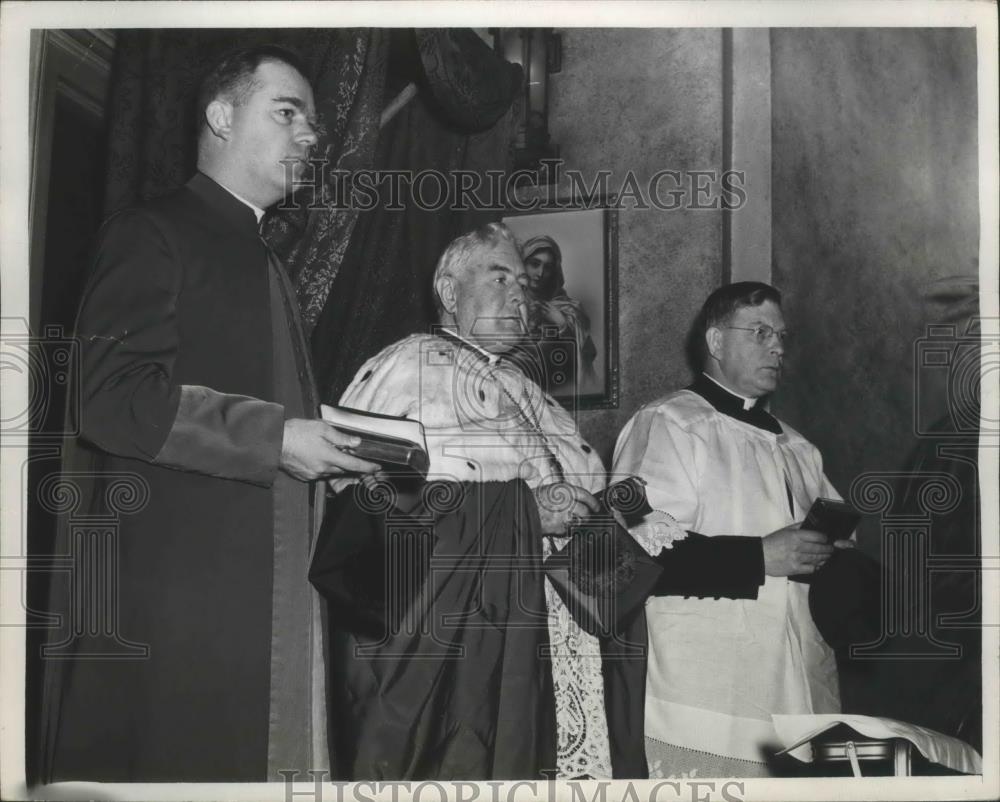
182, 653
437, 633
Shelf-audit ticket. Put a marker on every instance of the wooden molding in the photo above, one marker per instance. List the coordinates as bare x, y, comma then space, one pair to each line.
75, 65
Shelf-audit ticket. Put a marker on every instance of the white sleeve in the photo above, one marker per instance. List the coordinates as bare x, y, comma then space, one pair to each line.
666, 456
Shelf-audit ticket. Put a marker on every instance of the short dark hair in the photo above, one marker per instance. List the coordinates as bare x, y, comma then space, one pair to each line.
722, 304
719, 309
231, 75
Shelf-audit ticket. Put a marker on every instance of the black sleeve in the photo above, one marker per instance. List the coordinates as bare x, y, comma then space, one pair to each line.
131, 404
726, 565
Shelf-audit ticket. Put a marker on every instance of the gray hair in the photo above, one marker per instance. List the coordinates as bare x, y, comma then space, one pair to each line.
454, 261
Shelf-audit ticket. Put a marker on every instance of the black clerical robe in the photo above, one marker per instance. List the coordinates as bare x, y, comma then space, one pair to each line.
186, 649
438, 636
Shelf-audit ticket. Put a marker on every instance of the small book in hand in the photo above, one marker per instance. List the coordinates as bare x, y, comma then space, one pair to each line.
397, 444
835, 519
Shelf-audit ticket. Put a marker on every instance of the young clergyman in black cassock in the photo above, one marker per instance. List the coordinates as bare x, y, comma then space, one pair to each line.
197, 393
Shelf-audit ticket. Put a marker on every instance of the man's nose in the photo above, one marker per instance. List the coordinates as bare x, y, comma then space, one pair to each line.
520, 302
306, 135
777, 346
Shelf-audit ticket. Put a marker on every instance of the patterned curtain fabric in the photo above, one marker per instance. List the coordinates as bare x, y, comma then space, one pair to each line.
348, 85
383, 290
463, 118
468, 85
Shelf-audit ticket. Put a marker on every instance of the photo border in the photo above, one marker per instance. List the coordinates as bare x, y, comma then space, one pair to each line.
14, 216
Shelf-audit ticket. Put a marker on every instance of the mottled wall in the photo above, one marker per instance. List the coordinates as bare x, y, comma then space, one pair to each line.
646, 100
874, 194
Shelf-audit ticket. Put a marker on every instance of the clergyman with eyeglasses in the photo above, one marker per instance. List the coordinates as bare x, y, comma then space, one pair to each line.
718, 462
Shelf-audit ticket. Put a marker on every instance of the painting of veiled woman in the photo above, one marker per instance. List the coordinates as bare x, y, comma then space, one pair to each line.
555, 319
570, 258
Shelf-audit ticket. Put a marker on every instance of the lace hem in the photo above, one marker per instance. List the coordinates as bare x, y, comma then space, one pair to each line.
669, 761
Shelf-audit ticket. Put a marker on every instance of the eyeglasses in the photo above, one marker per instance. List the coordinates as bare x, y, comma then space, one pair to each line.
763, 333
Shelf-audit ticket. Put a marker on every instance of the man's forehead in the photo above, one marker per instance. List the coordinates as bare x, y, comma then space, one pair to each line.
498, 255
281, 80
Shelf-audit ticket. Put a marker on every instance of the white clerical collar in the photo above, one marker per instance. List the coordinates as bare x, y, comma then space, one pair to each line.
258, 212
748, 403
491, 357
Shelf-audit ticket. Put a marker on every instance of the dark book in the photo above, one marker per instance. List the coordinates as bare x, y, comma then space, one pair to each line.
397, 444
835, 519
602, 574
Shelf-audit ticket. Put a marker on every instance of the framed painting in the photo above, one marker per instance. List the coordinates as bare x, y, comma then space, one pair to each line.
571, 258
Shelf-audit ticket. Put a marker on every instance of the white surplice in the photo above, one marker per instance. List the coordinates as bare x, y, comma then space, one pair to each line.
718, 668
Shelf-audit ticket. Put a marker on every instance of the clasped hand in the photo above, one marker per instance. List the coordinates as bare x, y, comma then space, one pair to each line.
313, 449
560, 504
791, 551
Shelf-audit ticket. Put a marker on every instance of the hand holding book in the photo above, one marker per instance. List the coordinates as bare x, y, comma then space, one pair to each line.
397, 444
312, 450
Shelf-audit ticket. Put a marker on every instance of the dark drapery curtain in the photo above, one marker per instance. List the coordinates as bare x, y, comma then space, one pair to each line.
383, 290
362, 278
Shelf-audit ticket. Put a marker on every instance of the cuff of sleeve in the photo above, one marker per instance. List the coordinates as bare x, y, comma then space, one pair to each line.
228, 436
742, 564
723, 566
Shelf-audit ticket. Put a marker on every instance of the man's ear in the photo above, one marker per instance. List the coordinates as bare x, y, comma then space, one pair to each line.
445, 288
219, 116
713, 342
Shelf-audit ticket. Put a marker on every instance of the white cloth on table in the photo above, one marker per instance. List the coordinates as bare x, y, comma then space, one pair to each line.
796, 732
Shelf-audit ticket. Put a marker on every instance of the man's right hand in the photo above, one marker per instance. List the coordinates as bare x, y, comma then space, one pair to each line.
560, 503
792, 551
313, 449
